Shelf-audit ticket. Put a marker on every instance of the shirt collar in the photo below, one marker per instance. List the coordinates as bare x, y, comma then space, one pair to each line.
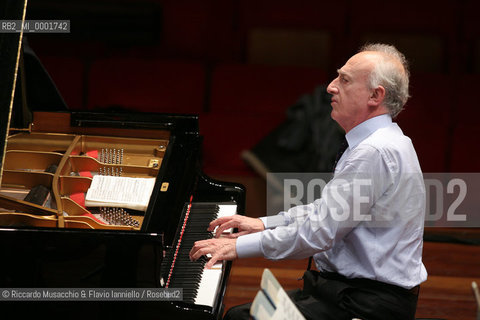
366, 128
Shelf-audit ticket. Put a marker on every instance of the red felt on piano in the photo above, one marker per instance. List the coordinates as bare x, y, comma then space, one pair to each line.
78, 198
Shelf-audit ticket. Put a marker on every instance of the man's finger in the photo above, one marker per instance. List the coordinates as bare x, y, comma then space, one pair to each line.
218, 222
199, 253
223, 227
197, 246
211, 262
235, 235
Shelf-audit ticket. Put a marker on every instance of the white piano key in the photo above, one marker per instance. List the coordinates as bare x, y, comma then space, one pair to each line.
226, 210
208, 288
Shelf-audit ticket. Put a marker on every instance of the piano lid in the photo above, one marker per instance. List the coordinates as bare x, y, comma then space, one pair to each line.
10, 44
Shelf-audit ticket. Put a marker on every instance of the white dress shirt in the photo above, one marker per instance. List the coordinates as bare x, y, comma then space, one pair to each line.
369, 220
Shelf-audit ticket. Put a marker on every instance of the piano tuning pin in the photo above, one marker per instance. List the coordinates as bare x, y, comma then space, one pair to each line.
103, 214
118, 216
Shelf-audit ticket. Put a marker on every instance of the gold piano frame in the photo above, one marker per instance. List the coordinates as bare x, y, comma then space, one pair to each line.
29, 153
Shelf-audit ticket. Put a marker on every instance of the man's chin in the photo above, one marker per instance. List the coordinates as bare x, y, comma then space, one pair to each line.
334, 114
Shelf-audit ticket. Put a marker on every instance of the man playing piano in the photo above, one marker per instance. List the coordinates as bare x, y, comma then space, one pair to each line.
365, 233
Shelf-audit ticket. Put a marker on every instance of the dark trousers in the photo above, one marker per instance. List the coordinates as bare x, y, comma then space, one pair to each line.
329, 296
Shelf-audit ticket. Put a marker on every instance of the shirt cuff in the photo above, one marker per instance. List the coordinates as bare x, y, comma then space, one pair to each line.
249, 245
271, 222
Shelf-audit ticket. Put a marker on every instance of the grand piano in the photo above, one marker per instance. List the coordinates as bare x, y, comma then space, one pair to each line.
51, 237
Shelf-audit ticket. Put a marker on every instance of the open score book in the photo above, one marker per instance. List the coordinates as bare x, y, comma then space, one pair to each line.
120, 192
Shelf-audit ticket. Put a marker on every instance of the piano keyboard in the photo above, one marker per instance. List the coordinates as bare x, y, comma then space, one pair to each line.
199, 285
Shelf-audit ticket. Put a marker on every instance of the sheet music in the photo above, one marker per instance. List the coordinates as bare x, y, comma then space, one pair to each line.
261, 308
274, 298
121, 192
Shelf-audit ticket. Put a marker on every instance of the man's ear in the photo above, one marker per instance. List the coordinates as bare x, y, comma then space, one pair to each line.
376, 97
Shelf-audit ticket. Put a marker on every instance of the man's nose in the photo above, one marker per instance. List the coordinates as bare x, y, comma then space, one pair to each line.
332, 89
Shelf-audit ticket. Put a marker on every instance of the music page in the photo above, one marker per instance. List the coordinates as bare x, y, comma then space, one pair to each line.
121, 192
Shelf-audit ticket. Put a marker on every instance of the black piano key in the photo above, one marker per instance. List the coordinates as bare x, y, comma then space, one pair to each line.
187, 274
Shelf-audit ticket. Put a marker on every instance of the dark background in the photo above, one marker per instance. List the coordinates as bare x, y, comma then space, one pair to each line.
241, 63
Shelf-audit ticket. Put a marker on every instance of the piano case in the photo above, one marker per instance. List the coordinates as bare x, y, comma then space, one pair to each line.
49, 238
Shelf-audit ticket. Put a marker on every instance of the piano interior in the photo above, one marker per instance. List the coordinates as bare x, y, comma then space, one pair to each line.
46, 177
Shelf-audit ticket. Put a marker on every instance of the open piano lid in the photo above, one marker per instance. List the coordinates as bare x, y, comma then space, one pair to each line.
10, 45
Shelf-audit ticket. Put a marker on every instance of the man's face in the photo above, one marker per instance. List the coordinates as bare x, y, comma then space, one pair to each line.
350, 91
